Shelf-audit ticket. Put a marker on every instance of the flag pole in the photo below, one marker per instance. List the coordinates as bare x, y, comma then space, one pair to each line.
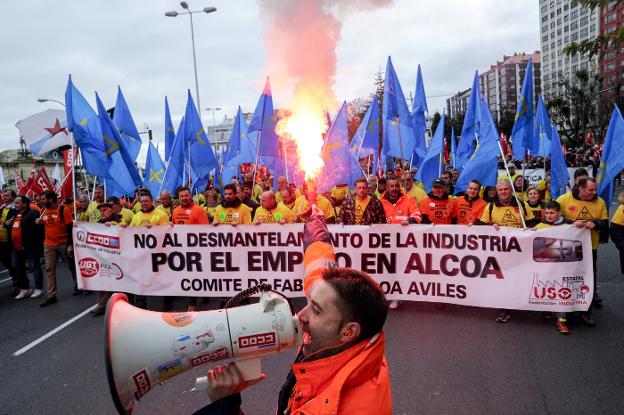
73, 175
285, 160
95, 178
513, 189
400, 138
253, 184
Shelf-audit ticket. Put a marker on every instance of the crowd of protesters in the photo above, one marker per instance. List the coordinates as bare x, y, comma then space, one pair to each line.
41, 228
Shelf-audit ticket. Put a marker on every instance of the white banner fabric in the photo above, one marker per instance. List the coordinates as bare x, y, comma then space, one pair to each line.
546, 270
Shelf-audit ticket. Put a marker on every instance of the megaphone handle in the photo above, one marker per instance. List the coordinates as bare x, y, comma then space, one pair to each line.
251, 369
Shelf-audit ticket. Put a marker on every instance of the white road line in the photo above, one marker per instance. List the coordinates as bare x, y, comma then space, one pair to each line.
5, 280
53, 332
3, 271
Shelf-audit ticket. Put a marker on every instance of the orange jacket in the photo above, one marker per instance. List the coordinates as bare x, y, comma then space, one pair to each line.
354, 381
404, 209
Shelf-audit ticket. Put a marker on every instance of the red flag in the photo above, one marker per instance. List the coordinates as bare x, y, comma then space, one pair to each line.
68, 161
42, 182
24, 190
589, 138
19, 181
447, 157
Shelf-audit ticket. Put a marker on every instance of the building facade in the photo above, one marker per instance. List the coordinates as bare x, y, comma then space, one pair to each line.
458, 103
501, 85
561, 23
612, 59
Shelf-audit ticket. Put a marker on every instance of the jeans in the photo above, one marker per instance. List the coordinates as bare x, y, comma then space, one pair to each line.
5, 258
19, 267
52, 255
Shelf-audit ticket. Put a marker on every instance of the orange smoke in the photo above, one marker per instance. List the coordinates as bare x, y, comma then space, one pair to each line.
301, 39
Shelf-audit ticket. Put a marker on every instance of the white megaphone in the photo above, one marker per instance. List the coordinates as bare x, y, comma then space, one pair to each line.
145, 348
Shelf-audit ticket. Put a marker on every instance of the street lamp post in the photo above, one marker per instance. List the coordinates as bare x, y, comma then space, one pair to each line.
214, 123
174, 13
42, 100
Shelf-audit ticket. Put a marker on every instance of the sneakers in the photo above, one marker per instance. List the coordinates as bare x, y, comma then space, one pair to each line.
503, 316
37, 293
48, 301
588, 320
23, 294
597, 301
394, 304
562, 326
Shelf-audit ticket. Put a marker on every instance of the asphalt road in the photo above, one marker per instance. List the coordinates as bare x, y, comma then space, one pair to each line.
456, 360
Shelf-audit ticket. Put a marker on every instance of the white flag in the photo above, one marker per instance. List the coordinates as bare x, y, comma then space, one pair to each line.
45, 131
56, 175
2, 182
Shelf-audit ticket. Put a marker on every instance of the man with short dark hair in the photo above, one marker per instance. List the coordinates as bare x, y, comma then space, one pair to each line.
341, 368
7, 211
126, 214
363, 209
245, 196
57, 224
583, 206
231, 211
467, 209
399, 207
27, 241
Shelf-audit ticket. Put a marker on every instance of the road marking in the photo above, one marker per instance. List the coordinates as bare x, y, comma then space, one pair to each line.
53, 332
3, 271
5, 280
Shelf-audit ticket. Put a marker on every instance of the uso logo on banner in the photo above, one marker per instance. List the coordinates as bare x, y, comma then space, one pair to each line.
89, 267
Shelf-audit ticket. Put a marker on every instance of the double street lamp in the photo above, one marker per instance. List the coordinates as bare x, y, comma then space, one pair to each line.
174, 13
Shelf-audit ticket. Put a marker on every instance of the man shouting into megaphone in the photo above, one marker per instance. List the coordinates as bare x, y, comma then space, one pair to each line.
341, 367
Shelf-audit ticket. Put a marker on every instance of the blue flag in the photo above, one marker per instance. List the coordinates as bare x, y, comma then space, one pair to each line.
559, 175
453, 147
201, 156
482, 165
418, 115
175, 169
471, 126
336, 154
612, 160
431, 165
262, 126
122, 178
366, 139
154, 170
125, 124
169, 131
398, 131
542, 131
236, 153
83, 122
522, 133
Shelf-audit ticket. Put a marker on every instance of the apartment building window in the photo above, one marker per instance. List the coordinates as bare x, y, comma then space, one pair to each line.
552, 45
584, 21
552, 55
610, 29
573, 25
610, 17
544, 9
545, 38
552, 35
566, 18
552, 4
573, 4
552, 25
545, 18
584, 10
559, 43
558, 12
544, 29
560, 63
558, 22
584, 65
566, 39
584, 32
592, 28
566, 28
574, 37
574, 14
565, 7
545, 48
558, 32
609, 67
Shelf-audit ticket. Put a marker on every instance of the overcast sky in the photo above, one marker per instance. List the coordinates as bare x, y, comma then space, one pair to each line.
132, 44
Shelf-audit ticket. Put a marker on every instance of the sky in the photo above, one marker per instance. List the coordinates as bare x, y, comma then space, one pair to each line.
103, 44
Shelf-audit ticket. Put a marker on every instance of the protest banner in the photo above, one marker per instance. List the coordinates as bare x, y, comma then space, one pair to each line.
547, 270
